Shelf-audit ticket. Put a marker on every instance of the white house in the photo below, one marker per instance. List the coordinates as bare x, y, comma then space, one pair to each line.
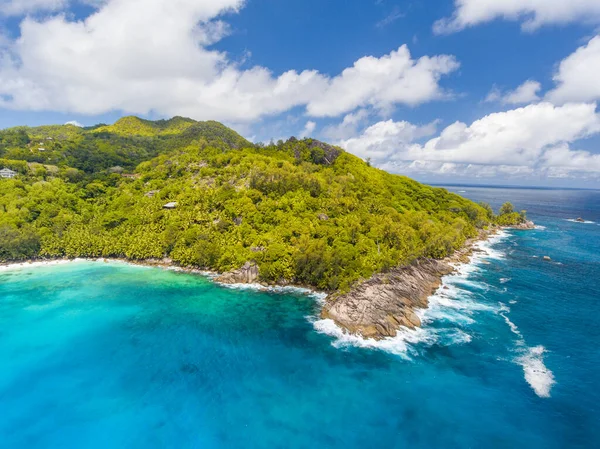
7, 173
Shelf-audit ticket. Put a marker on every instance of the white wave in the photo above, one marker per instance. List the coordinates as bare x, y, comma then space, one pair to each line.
537, 375
21, 265
505, 280
574, 220
397, 345
540, 227
503, 312
460, 337
319, 296
403, 344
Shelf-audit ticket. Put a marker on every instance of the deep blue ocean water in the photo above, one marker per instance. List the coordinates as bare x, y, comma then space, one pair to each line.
108, 355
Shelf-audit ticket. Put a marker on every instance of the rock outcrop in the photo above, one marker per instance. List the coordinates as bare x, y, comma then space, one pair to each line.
380, 306
248, 274
527, 225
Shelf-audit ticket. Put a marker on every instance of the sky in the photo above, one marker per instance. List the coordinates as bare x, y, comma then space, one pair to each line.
444, 91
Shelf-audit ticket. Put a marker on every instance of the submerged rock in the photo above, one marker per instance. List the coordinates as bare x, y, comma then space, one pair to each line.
248, 274
380, 306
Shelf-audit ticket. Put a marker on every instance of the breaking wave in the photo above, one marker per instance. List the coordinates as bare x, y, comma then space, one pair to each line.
531, 359
537, 375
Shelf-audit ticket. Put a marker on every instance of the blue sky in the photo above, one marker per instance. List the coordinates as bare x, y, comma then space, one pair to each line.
476, 91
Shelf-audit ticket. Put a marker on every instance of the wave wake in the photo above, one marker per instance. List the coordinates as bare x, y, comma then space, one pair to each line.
540, 378
531, 359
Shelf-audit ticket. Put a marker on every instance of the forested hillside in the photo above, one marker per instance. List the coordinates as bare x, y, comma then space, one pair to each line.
305, 211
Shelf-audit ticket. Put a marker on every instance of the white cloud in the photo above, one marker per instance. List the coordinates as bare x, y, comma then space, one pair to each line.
532, 13
138, 58
577, 76
348, 127
383, 82
382, 140
74, 123
525, 93
17, 7
393, 16
309, 128
532, 139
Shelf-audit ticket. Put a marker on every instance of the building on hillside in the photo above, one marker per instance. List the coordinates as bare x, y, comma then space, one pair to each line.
7, 173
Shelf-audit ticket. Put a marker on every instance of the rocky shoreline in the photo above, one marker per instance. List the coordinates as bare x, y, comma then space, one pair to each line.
380, 306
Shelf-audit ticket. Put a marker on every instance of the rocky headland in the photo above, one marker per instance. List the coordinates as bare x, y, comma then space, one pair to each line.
380, 306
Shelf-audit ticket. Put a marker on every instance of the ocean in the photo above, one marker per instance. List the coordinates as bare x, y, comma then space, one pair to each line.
97, 355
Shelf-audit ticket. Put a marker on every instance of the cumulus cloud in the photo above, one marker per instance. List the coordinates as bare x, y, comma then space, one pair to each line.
309, 128
140, 56
74, 123
525, 93
382, 141
577, 75
383, 82
532, 139
348, 127
532, 13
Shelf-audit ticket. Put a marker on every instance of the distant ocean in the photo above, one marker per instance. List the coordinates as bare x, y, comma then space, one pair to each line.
109, 355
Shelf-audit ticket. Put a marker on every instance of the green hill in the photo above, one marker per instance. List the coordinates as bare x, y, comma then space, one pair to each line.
305, 211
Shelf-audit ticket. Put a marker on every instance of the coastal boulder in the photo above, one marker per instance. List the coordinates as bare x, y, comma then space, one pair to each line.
380, 306
248, 274
526, 225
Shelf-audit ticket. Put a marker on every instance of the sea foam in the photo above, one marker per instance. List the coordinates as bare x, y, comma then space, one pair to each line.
288, 289
573, 220
531, 359
21, 265
540, 378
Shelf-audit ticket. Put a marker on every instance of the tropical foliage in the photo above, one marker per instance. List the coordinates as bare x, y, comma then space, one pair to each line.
305, 211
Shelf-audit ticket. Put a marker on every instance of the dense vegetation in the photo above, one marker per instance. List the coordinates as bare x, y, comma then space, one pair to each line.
305, 211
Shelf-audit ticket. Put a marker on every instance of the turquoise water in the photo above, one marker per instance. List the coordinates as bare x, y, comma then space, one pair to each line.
97, 355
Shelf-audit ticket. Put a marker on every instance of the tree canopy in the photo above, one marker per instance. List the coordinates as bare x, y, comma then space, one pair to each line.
305, 211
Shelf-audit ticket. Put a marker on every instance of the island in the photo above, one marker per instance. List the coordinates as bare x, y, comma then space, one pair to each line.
199, 196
